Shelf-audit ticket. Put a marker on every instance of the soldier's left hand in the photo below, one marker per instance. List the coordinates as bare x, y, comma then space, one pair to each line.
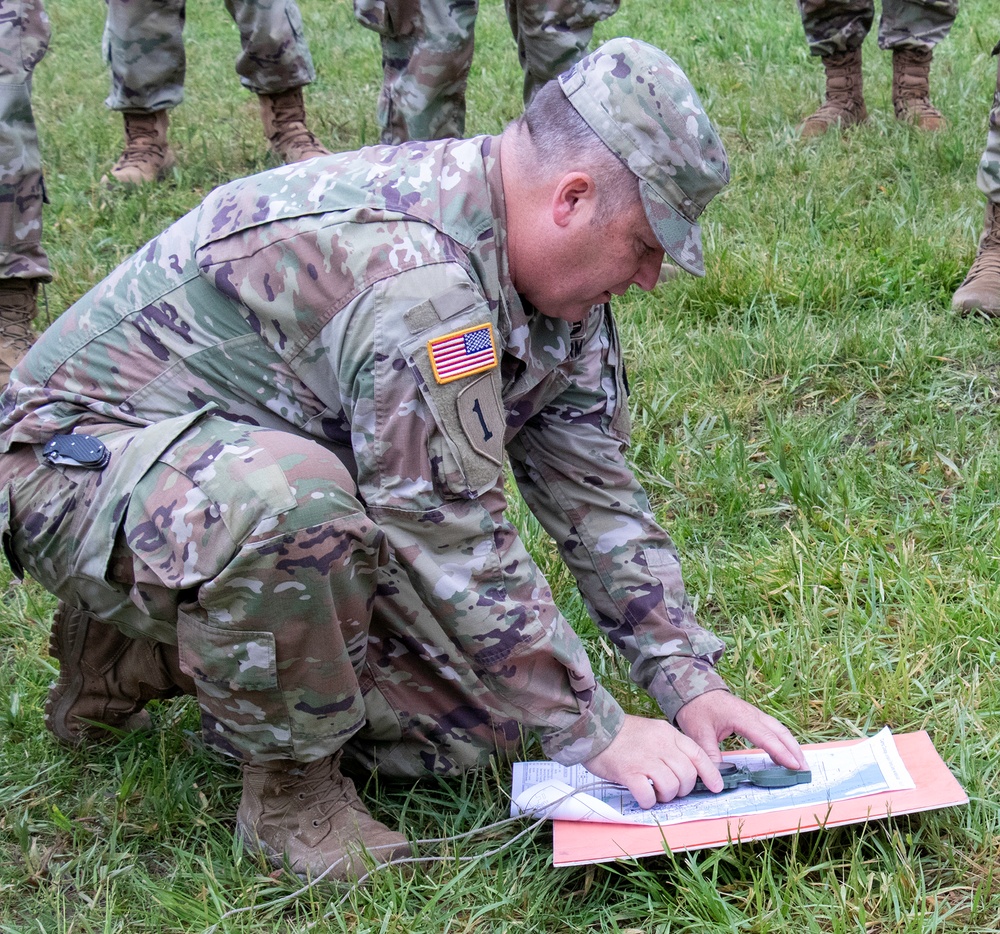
711, 717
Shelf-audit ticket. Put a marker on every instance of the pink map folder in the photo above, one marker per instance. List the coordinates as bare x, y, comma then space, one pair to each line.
575, 843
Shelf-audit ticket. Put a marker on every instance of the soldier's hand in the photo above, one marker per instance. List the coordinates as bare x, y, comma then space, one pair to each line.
655, 761
711, 717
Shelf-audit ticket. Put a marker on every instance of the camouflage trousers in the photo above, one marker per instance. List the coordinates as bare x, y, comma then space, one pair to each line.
834, 26
248, 549
144, 47
427, 48
989, 166
24, 38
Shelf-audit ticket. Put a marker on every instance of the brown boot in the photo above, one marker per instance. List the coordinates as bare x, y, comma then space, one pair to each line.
911, 93
284, 117
105, 678
147, 156
980, 292
17, 311
310, 817
844, 104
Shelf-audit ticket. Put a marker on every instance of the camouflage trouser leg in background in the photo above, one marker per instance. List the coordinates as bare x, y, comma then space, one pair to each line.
989, 166
833, 26
144, 47
552, 35
24, 37
275, 56
248, 548
427, 48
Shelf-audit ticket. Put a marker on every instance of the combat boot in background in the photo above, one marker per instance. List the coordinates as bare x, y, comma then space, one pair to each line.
106, 678
845, 104
284, 118
147, 156
17, 310
309, 817
911, 93
980, 292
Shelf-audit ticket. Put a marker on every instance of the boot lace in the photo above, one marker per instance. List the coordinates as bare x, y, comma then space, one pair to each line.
17, 308
987, 261
321, 788
290, 136
142, 145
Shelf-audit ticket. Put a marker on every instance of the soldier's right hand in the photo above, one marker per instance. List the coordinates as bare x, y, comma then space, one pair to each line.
655, 761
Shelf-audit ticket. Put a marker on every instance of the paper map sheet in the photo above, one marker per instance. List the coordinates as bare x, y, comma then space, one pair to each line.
865, 768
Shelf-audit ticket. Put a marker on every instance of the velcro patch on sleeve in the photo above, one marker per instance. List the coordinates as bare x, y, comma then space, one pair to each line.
463, 353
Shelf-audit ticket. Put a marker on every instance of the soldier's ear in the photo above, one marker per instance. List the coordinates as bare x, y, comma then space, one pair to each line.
574, 199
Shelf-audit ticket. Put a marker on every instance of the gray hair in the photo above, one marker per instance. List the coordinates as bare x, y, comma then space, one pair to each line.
563, 141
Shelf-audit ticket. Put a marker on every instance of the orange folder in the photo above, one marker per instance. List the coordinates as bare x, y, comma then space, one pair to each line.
575, 843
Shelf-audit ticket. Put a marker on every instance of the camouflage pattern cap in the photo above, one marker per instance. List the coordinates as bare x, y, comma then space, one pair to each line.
641, 104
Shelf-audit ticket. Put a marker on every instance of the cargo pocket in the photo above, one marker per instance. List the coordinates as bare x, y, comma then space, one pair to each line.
234, 659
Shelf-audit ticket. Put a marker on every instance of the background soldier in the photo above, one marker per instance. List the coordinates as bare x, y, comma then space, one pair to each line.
24, 37
980, 292
427, 50
835, 30
285, 489
144, 45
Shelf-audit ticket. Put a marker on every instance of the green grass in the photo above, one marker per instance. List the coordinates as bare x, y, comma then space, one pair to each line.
813, 424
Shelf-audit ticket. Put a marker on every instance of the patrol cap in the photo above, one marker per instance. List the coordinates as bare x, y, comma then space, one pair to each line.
642, 106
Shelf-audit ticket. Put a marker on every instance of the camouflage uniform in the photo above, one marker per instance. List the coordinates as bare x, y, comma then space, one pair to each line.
308, 386
145, 49
989, 166
427, 48
835, 26
24, 38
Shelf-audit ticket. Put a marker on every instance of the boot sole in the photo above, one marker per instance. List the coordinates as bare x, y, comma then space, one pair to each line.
66, 690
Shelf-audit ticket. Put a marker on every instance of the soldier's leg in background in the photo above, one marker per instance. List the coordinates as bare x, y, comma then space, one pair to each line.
988, 178
551, 35
835, 30
833, 26
918, 24
427, 48
24, 38
275, 64
426, 709
144, 48
911, 29
980, 292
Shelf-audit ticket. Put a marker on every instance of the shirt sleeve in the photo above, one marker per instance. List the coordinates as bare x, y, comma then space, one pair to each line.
570, 466
427, 425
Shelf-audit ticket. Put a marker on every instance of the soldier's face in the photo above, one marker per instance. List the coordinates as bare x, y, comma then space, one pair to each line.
597, 261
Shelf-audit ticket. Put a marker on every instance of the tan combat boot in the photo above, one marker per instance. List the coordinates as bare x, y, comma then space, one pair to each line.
147, 156
309, 817
980, 292
105, 678
17, 311
911, 94
284, 118
845, 103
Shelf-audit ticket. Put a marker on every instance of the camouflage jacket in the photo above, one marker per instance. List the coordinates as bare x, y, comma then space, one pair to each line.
364, 300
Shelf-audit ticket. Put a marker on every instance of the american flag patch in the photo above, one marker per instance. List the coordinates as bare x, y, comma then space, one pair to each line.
462, 353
